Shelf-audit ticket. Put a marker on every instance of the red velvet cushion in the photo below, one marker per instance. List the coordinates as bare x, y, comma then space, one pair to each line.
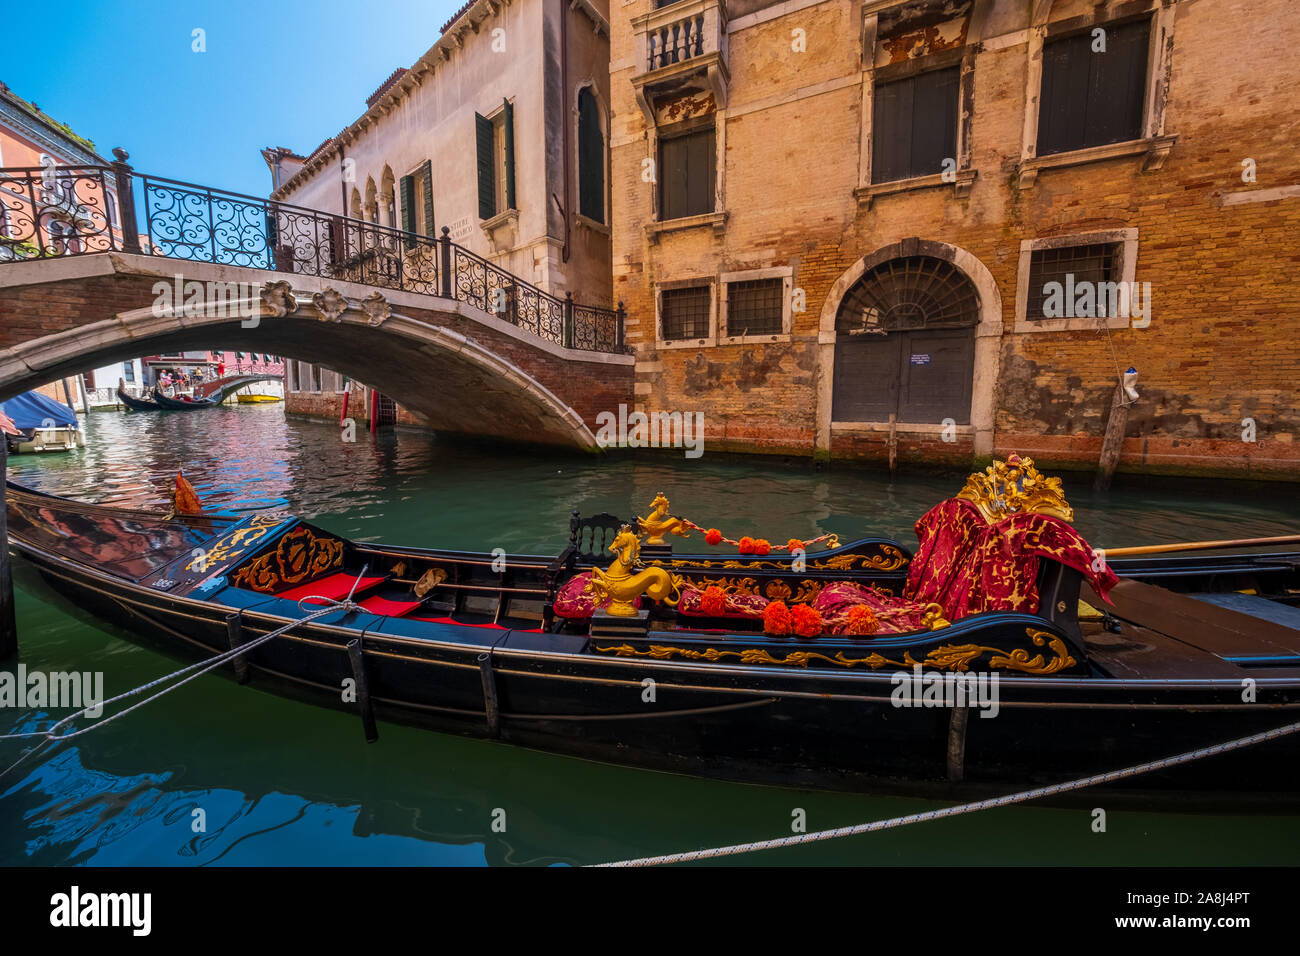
334, 587
574, 603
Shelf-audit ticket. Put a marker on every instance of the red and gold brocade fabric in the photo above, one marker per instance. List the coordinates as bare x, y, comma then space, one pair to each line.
967, 565
895, 615
692, 604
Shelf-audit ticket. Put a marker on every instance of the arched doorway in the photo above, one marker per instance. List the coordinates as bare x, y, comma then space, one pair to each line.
905, 344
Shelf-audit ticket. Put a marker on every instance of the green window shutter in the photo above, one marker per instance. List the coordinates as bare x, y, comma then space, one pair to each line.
487, 192
510, 155
426, 171
407, 187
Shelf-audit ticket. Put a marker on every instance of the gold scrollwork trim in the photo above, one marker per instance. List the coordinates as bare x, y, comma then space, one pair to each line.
947, 657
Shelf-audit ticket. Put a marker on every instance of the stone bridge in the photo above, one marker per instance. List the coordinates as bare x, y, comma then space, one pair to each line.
472, 349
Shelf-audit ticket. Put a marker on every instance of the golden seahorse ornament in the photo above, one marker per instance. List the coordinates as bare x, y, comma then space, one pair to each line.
626, 579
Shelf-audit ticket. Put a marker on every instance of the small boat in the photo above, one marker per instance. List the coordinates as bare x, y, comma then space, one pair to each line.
42, 423
865, 667
183, 403
136, 404
257, 399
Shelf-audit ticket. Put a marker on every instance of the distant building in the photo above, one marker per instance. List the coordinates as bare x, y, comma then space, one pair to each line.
500, 133
75, 203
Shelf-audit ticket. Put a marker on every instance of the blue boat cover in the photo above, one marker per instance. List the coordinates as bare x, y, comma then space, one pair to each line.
34, 410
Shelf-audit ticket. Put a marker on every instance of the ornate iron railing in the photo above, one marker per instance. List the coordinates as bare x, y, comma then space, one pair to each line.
81, 210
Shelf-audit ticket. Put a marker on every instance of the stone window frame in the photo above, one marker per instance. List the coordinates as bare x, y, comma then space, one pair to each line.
708, 341
718, 217
964, 176
1154, 144
602, 111
1126, 239
784, 273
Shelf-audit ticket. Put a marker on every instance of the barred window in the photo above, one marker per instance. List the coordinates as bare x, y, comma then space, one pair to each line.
754, 307
1069, 266
685, 313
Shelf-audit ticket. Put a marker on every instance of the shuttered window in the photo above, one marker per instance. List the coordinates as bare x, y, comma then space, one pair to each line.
508, 121
1093, 98
591, 158
687, 165
685, 313
426, 182
914, 125
485, 134
407, 188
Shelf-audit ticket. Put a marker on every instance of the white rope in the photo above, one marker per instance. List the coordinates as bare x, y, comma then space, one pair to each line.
800, 838
199, 668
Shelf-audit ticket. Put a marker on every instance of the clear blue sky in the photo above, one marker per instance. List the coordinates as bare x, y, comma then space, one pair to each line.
276, 73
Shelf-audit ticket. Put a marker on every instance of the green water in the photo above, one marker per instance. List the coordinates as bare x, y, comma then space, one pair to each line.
281, 782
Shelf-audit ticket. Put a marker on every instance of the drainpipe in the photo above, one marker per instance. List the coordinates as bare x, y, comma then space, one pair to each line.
564, 115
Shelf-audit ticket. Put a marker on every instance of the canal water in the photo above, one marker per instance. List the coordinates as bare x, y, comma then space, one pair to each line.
273, 781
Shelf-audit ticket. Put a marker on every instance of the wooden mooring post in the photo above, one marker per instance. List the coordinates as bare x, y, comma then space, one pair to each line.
8, 624
1113, 443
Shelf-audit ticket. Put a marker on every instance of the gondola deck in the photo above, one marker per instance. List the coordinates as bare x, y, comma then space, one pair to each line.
479, 650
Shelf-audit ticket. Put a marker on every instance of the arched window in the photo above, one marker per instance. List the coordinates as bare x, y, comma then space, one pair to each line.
904, 344
591, 157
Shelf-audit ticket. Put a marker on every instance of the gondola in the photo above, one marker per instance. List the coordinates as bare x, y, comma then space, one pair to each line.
1004, 653
137, 404
182, 404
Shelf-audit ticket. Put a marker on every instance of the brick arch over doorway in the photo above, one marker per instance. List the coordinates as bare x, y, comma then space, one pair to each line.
988, 337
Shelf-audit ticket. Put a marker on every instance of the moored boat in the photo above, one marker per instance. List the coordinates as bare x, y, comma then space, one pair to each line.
182, 403
704, 664
136, 404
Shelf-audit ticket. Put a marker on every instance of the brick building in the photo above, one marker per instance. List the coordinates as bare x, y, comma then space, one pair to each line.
953, 224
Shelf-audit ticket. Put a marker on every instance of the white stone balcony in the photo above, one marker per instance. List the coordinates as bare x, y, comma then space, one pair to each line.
681, 51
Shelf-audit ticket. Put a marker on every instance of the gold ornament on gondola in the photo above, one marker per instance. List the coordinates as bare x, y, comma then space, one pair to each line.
627, 578
1015, 486
659, 522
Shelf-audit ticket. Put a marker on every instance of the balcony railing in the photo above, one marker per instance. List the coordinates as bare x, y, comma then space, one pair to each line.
679, 44
178, 220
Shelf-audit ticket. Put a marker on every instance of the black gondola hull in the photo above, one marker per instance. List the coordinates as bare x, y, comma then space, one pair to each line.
775, 725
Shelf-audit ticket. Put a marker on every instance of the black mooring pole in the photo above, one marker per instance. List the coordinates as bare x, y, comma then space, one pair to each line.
8, 626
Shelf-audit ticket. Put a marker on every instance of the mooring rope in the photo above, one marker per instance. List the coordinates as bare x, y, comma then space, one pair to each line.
1022, 797
199, 668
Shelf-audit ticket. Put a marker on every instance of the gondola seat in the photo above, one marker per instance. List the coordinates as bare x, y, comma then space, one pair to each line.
332, 587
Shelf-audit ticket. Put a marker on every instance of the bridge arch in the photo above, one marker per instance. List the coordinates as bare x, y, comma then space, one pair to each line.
453, 381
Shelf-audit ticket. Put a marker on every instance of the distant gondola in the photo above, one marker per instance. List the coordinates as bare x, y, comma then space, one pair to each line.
183, 403
136, 404
834, 670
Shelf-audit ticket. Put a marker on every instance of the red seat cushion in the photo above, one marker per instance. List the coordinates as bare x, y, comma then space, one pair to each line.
382, 605
332, 587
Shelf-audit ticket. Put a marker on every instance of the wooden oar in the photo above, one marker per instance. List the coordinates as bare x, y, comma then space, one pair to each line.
1199, 545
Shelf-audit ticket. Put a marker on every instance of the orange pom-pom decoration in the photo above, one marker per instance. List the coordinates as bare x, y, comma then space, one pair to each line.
807, 620
762, 546
713, 536
861, 620
746, 545
713, 601
777, 619
794, 544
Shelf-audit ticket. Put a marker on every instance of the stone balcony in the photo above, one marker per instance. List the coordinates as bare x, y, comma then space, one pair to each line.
681, 52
